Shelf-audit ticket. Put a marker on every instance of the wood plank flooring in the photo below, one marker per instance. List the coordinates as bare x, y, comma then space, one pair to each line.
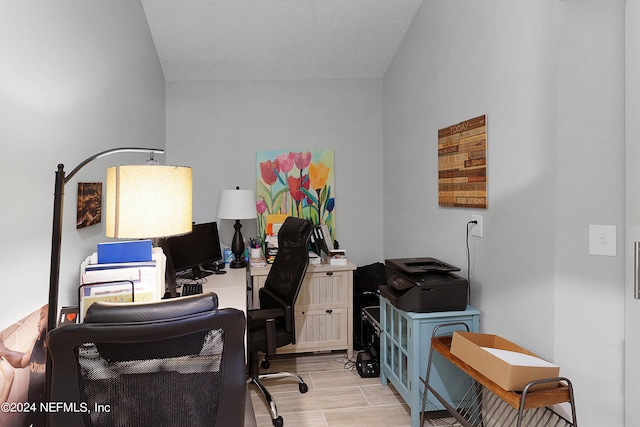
337, 396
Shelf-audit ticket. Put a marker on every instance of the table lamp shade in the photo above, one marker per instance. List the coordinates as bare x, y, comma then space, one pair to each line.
148, 201
237, 204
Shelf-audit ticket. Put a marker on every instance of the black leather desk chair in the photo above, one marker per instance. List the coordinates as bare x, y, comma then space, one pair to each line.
273, 324
176, 362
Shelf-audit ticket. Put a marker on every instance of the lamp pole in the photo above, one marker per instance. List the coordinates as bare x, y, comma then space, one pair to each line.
56, 245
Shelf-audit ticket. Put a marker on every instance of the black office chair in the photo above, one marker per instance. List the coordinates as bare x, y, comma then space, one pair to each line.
176, 362
273, 324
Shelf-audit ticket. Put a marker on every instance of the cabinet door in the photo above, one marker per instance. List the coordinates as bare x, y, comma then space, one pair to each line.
318, 290
318, 330
396, 346
324, 290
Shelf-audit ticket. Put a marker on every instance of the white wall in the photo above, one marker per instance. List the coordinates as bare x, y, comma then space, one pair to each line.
589, 290
217, 127
632, 208
76, 78
548, 74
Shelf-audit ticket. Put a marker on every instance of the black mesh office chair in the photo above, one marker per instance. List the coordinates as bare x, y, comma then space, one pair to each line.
273, 324
177, 362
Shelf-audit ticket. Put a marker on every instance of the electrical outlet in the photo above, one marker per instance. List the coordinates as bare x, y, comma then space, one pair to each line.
476, 229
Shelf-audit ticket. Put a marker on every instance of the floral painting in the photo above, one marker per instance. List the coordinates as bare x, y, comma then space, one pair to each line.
297, 183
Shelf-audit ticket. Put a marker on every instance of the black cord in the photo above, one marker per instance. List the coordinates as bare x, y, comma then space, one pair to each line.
347, 362
469, 263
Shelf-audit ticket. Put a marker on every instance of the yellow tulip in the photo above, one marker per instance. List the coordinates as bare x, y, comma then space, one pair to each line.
318, 175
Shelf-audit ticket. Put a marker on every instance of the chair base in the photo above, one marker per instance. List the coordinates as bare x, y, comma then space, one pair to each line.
275, 418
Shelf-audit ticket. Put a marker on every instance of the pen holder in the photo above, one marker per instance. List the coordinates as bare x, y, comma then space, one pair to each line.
255, 252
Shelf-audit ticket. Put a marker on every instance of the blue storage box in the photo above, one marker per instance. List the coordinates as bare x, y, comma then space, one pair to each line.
124, 251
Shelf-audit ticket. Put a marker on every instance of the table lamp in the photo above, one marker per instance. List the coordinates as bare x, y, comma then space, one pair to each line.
237, 204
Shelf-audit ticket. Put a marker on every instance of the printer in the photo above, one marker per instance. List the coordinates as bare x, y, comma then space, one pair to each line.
424, 285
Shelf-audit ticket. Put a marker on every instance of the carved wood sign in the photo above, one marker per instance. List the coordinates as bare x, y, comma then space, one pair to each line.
462, 164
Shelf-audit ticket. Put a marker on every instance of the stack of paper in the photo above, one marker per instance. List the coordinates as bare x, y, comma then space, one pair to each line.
519, 359
116, 291
271, 248
148, 277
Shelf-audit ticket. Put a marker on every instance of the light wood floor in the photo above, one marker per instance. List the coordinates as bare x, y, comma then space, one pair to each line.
337, 396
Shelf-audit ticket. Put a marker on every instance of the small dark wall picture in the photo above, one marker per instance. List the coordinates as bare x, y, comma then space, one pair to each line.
89, 204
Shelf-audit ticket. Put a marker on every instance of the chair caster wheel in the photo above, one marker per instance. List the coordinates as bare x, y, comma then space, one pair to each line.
265, 365
303, 387
278, 422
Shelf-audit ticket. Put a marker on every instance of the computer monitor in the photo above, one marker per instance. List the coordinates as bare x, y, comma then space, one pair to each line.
200, 248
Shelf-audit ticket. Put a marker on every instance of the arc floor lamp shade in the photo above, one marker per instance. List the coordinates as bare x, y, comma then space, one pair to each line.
146, 201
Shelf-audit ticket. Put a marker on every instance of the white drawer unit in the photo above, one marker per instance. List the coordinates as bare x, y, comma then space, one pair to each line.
323, 310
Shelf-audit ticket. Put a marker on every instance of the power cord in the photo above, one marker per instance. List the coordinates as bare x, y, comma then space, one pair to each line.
469, 262
348, 362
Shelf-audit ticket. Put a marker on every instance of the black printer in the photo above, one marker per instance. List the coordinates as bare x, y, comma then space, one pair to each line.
424, 285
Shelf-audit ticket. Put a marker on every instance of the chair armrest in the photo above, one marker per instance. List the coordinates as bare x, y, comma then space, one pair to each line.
269, 299
267, 316
264, 313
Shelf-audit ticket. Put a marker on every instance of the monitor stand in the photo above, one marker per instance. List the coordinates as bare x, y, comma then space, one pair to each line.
214, 268
195, 273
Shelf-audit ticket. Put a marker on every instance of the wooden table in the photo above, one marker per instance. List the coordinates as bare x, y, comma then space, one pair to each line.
485, 399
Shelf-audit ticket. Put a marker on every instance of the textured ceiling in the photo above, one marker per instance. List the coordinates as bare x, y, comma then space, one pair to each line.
277, 39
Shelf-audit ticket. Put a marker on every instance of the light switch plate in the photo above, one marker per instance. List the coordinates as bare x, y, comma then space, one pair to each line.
602, 240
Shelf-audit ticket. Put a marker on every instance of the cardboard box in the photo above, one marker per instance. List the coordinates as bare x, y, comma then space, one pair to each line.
503, 362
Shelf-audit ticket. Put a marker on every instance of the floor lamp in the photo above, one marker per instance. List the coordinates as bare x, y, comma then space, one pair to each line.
143, 201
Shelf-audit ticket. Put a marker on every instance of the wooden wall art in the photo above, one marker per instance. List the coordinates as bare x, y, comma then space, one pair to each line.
462, 164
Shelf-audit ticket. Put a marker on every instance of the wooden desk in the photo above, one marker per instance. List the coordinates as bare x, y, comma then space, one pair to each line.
231, 288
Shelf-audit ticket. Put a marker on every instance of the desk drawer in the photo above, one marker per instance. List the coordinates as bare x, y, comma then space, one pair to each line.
319, 330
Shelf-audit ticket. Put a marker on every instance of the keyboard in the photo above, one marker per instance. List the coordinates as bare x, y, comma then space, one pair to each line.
191, 289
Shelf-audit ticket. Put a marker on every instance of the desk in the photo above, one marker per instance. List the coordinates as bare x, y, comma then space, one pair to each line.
231, 288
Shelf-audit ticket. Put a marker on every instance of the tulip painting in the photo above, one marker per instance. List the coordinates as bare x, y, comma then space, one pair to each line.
299, 183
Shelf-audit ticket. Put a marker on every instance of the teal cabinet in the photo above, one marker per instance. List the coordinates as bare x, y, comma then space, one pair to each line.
404, 346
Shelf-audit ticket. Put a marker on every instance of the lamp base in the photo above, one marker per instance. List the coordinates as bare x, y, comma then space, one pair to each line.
237, 247
238, 263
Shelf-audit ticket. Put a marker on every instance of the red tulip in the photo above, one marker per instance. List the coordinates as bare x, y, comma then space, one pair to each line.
294, 187
269, 171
